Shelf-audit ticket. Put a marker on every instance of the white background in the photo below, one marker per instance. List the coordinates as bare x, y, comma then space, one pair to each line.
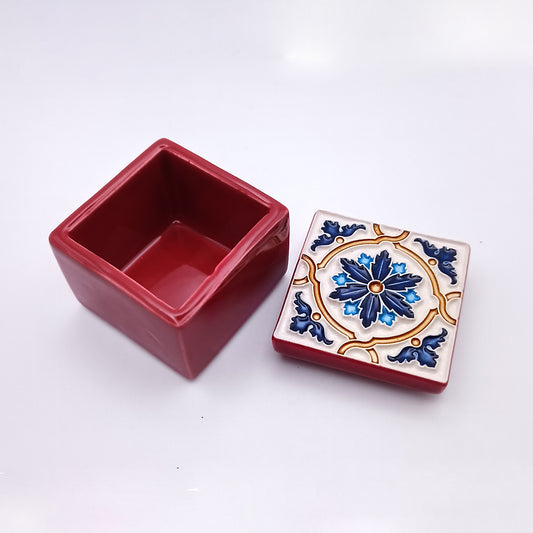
414, 114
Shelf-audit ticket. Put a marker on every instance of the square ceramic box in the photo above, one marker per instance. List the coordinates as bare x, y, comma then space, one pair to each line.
175, 253
375, 301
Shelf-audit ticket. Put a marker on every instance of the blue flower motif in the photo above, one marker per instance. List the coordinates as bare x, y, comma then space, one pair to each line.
398, 268
411, 296
365, 260
386, 317
351, 308
376, 288
340, 279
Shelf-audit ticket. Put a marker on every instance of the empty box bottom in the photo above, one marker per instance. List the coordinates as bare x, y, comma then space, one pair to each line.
175, 263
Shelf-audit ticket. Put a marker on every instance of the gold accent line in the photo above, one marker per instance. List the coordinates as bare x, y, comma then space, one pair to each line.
377, 229
373, 355
301, 281
434, 283
389, 340
318, 299
351, 244
452, 295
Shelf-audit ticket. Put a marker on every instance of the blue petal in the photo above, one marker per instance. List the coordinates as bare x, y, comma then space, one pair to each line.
365, 260
351, 308
395, 302
381, 267
398, 268
370, 307
340, 279
352, 291
355, 271
400, 282
411, 296
387, 318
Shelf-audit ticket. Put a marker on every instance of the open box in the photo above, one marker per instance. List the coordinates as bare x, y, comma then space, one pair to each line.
175, 253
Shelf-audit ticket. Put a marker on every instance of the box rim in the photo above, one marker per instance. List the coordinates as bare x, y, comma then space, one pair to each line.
61, 240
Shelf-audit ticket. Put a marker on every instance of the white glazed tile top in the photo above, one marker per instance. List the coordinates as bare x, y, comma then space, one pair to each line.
376, 294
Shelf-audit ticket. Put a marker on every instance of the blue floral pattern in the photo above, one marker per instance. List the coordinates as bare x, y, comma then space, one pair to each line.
331, 230
341, 278
444, 256
377, 288
351, 308
424, 354
304, 322
387, 317
411, 296
398, 268
377, 300
366, 260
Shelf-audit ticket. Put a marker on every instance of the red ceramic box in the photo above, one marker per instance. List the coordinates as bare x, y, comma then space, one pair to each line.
175, 253
376, 301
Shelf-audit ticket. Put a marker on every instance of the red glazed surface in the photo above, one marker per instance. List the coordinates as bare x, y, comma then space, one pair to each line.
175, 253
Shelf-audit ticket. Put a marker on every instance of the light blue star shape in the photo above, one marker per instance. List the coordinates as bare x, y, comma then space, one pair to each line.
340, 279
398, 268
411, 296
365, 260
351, 308
387, 317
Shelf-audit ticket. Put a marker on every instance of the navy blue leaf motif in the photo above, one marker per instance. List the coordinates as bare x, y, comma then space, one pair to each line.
400, 282
370, 307
301, 307
352, 291
445, 257
397, 303
332, 230
303, 321
425, 353
381, 266
356, 271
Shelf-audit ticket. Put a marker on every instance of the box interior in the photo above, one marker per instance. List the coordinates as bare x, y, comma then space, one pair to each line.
169, 226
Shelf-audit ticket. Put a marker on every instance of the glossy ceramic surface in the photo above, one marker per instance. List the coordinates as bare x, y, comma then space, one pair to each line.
175, 253
376, 301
